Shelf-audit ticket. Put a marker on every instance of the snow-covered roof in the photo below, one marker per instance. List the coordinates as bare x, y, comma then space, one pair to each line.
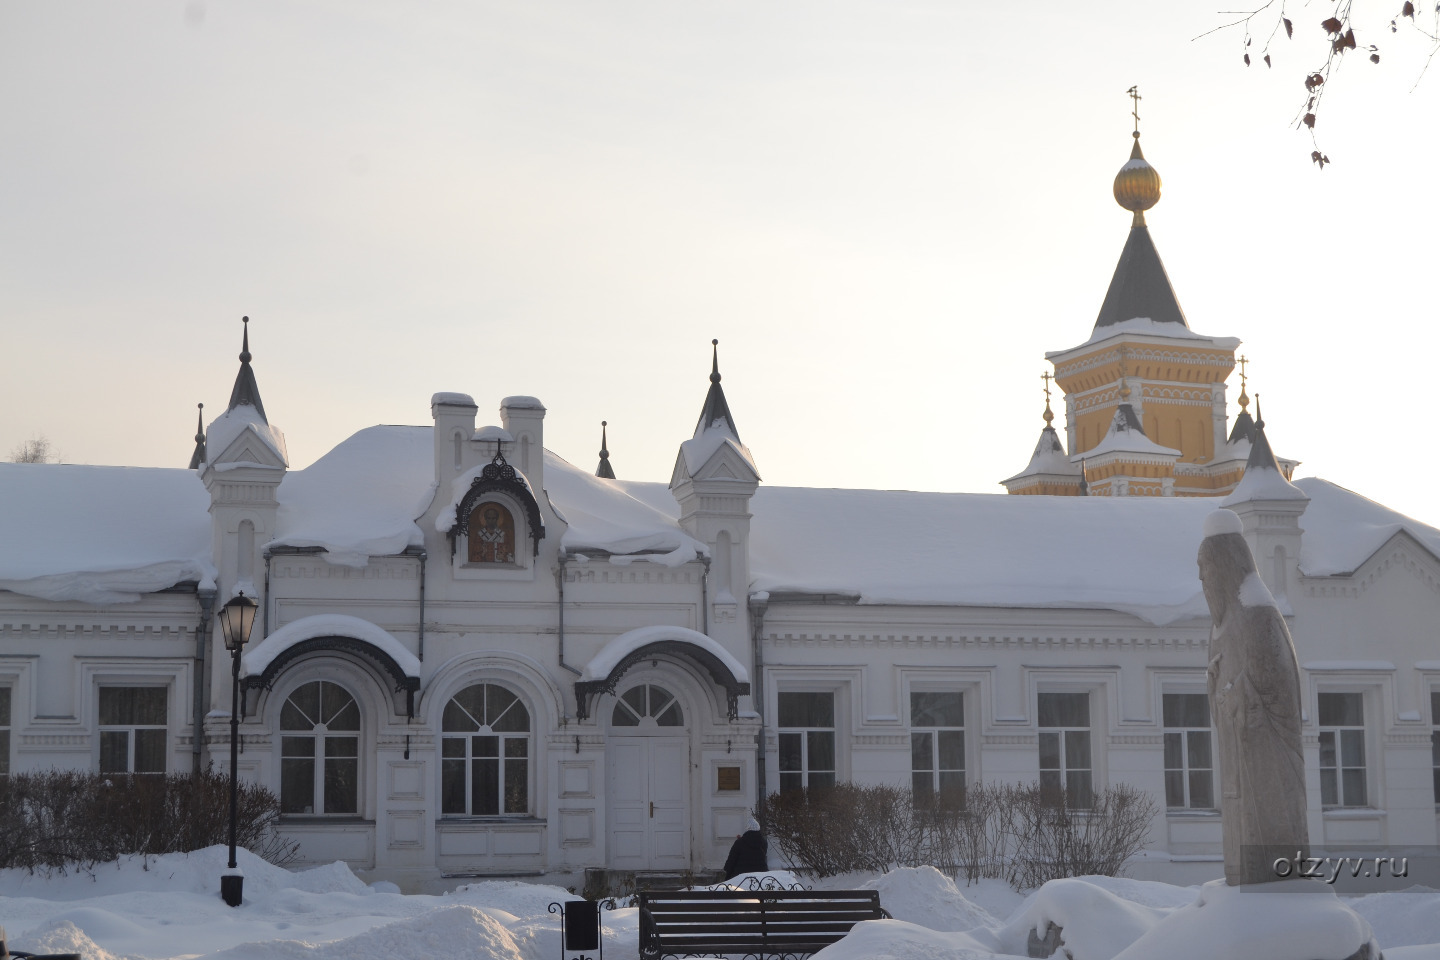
602, 516
110, 534
101, 534
493, 432
698, 450
1049, 459
1132, 554
1126, 436
1135, 554
362, 498
1344, 529
225, 429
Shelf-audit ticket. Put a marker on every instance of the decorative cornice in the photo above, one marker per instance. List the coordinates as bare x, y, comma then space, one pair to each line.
988, 642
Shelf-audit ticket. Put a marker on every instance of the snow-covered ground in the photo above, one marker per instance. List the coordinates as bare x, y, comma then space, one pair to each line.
169, 906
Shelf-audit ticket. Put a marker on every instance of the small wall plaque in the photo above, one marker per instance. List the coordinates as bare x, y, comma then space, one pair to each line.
727, 778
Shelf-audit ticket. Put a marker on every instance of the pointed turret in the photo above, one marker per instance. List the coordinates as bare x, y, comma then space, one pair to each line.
716, 410
1126, 462
606, 471
246, 391
1269, 507
1141, 351
1244, 429
1140, 286
1049, 470
198, 457
1264, 478
712, 482
245, 417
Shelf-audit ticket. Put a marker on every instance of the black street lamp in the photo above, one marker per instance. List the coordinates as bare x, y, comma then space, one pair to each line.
236, 619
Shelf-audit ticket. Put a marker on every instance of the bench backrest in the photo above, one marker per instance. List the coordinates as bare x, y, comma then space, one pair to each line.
742, 921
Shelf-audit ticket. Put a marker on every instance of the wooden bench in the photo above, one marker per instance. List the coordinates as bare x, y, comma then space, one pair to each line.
784, 923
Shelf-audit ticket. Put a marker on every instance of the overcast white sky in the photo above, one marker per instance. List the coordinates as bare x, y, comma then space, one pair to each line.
886, 211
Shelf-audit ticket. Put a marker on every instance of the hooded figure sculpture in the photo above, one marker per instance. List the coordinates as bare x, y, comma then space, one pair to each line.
1254, 686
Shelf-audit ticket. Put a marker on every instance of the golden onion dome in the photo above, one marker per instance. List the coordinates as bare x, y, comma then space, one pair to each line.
1137, 185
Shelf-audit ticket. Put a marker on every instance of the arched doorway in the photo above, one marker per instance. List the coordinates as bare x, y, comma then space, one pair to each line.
648, 764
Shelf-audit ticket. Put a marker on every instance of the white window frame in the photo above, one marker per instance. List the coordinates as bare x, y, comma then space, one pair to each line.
319, 757
1062, 741
1187, 768
528, 737
934, 732
806, 770
1342, 799
131, 730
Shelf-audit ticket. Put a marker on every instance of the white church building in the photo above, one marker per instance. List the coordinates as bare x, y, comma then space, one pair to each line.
472, 657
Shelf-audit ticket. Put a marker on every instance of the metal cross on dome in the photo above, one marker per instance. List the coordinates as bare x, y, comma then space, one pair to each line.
1135, 111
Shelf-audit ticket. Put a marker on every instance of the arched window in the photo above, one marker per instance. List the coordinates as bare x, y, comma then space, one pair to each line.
647, 701
491, 533
320, 750
485, 752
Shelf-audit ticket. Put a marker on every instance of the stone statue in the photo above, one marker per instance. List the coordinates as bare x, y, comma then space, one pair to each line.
1254, 686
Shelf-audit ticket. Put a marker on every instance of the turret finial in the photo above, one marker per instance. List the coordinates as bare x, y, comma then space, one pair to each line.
245, 343
604, 469
199, 456
1243, 400
1259, 417
1049, 416
715, 361
1137, 185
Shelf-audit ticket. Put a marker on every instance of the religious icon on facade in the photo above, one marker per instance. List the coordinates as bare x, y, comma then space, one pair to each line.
492, 534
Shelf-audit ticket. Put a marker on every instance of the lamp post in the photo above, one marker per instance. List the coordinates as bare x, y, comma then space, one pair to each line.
236, 619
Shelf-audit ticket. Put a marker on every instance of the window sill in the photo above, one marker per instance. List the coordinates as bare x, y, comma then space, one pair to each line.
1352, 813
461, 820
1188, 813
324, 820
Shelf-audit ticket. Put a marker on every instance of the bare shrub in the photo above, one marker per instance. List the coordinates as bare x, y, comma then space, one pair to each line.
65, 819
1053, 839
1014, 831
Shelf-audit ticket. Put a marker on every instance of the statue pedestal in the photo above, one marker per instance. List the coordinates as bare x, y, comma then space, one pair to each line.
1284, 920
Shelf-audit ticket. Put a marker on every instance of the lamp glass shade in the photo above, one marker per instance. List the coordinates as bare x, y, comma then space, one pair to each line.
236, 620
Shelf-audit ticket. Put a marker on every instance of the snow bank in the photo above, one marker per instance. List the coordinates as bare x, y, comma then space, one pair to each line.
164, 907
926, 897
898, 940
1096, 923
1298, 920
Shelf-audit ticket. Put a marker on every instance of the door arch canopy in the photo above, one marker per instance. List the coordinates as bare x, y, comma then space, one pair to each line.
604, 672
